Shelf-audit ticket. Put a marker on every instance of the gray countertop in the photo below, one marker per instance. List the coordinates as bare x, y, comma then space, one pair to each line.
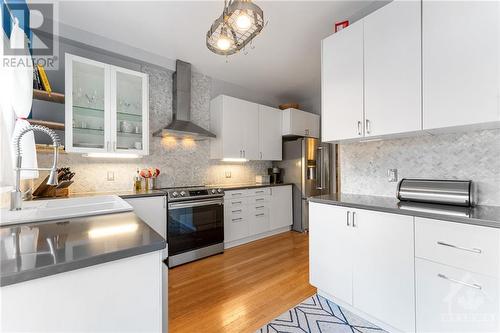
48, 248
488, 216
229, 187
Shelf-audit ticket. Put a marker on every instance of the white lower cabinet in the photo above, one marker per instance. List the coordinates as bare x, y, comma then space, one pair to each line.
454, 300
330, 251
366, 260
383, 275
153, 211
406, 273
250, 214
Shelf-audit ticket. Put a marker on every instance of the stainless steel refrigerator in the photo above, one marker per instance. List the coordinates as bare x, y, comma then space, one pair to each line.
308, 165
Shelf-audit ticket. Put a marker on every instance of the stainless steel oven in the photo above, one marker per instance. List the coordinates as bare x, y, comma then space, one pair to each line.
195, 225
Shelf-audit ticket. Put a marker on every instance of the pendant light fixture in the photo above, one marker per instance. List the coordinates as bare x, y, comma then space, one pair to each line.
240, 22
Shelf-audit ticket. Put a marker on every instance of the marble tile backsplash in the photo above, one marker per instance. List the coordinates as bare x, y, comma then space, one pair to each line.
181, 162
471, 155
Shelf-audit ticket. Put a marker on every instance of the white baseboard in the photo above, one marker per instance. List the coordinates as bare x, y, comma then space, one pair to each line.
360, 313
249, 239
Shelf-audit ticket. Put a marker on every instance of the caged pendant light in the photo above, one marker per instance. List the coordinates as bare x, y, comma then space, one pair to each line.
240, 22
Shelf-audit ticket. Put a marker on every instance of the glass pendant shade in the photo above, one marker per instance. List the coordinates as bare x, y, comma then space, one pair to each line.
240, 22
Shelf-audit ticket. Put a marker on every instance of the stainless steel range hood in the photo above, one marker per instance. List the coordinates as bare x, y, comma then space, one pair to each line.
181, 125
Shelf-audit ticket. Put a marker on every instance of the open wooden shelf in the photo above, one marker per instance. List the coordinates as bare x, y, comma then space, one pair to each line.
45, 96
50, 124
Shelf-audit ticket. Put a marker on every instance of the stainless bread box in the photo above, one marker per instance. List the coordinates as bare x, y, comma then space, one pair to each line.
447, 192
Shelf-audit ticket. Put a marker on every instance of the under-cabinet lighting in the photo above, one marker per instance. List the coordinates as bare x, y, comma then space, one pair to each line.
111, 155
238, 160
371, 140
114, 230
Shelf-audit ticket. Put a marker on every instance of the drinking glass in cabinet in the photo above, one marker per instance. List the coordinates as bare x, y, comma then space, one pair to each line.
129, 111
88, 105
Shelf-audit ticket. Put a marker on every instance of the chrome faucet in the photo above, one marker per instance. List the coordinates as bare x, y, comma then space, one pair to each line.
16, 195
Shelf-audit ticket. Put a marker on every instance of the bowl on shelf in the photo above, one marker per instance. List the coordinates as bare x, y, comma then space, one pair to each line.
127, 126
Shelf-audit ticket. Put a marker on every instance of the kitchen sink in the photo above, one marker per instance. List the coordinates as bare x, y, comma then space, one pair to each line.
57, 209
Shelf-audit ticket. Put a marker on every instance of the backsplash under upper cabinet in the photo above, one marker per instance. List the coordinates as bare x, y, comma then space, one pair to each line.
472, 155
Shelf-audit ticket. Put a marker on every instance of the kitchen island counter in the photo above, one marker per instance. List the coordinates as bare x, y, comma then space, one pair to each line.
35, 250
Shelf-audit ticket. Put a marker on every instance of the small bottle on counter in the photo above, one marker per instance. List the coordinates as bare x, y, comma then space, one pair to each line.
137, 181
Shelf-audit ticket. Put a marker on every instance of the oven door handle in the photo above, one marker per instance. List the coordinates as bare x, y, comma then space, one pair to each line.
180, 205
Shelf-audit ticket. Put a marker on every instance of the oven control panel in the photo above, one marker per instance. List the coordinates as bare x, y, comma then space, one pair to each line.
178, 194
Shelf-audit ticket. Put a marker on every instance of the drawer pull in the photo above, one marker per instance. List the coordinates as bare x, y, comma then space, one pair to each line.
259, 199
235, 194
262, 214
236, 203
236, 211
259, 207
472, 285
237, 219
475, 250
259, 191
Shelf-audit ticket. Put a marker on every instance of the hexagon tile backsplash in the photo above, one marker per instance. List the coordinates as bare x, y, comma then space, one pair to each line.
471, 155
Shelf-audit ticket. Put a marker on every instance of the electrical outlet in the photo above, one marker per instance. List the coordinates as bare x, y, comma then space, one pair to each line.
228, 174
392, 175
111, 176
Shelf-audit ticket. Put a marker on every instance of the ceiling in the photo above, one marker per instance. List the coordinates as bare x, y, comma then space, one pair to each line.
285, 61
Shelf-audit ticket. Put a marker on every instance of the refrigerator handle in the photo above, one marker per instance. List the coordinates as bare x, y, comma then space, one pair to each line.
320, 164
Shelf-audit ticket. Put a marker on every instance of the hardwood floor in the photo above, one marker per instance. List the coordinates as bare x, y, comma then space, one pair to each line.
242, 289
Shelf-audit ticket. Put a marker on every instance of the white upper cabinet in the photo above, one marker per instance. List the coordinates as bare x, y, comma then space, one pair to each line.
244, 130
300, 123
106, 109
342, 84
461, 70
392, 67
270, 139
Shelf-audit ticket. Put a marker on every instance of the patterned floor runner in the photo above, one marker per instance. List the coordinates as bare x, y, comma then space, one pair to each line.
318, 315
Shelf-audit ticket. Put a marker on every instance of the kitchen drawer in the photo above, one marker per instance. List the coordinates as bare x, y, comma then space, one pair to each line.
469, 247
453, 300
236, 194
236, 227
261, 199
235, 202
259, 222
260, 191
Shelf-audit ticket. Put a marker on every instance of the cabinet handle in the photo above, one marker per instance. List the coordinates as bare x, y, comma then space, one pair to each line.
236, 211
359, 127
237, 219
259, 207
475, 250
354, 219
235, 194
348, 213
472, 285
368, 130
236, 202
114, 145
259, 199
257, 215
259, 191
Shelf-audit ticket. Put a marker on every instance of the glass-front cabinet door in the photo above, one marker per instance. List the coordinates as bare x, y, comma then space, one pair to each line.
106, 108
130, 111
87, 105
